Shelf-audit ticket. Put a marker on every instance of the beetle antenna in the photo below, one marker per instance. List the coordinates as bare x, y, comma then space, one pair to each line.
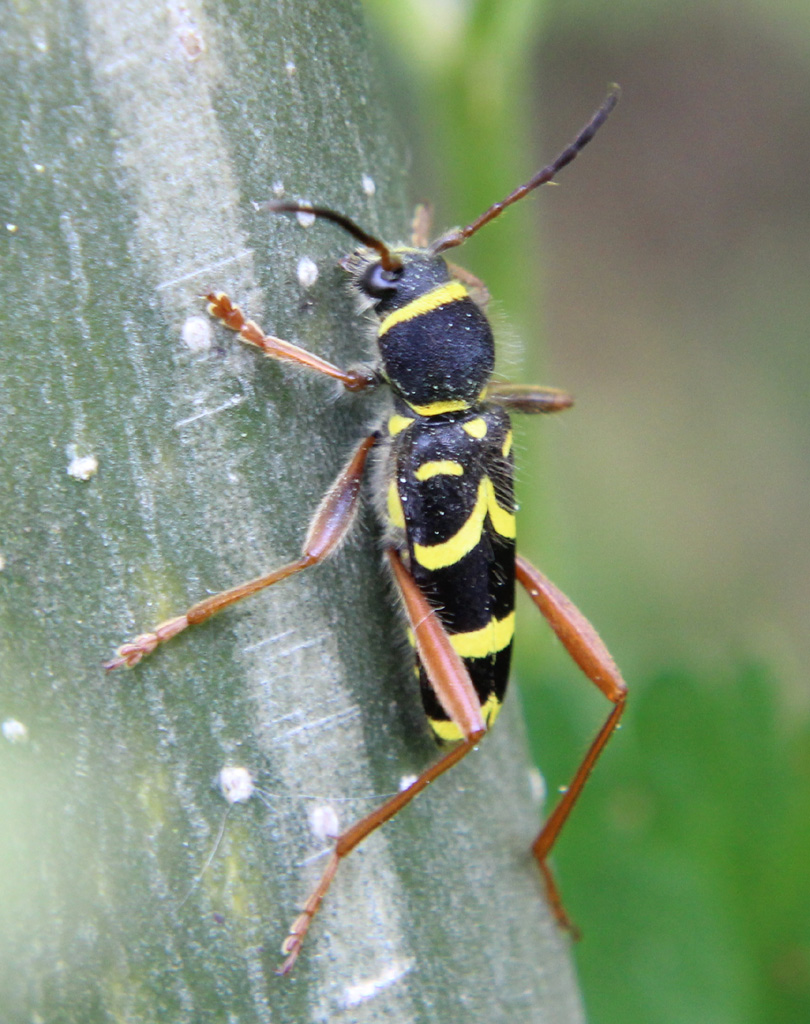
388, 261
459, 235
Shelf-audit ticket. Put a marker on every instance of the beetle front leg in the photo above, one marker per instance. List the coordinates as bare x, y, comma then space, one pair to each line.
221, 307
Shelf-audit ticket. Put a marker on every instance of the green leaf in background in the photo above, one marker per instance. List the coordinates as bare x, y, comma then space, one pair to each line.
689, 855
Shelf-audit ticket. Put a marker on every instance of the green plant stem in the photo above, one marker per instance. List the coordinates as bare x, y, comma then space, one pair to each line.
149, 459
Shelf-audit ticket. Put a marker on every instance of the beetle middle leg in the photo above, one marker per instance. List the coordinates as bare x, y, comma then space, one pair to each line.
528, 398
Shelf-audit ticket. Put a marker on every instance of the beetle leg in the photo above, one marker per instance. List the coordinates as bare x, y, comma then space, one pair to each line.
328, 528
479, 292
531, 398
221, 307
453, 686
584, 645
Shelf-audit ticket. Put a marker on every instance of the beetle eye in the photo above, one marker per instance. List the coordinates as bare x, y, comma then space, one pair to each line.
380, 283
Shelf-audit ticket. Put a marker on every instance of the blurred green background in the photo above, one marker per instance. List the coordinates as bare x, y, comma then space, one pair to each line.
665, 283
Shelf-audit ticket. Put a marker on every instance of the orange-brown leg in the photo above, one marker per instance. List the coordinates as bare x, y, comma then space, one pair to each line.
221, 307
479, 292
529, 398
328, 527
584, 645
453, 686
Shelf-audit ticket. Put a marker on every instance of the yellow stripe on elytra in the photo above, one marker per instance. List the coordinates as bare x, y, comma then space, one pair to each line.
481, 643
396, 514
503, 521
444, 467
448, 552
397, 423
445, 730
490, 709
441, 296
507, 444
476, 428
449, 731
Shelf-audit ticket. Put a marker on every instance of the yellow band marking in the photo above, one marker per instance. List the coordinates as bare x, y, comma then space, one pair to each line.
396, 514
448, 552
444, 467
449, 732
445, 730
439, 408
396, 424
476, 428
481, 643
490, 709
507, 444
503, 521
441, 296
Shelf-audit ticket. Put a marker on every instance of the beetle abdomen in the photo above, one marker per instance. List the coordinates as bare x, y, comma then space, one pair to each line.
450, 497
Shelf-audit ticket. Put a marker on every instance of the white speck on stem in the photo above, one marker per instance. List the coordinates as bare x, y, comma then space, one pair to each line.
323, 822
236, 784
196, 334
81, 467
14, 731
304, 217
307, 272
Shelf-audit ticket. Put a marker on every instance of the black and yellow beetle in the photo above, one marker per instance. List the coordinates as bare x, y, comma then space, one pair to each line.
443, 469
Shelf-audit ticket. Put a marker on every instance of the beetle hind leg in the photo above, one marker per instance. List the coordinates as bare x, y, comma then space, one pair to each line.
457, 695
586, 648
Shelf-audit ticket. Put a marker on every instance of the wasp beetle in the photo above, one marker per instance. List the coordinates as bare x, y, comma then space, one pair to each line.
443, 464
